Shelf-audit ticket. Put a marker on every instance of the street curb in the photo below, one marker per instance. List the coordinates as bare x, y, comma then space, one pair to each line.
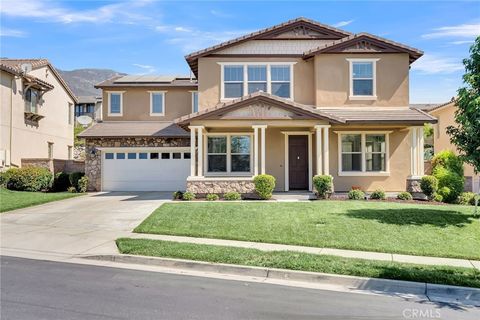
434, 292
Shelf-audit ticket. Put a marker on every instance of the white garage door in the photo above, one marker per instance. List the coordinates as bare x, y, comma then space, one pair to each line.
145, 170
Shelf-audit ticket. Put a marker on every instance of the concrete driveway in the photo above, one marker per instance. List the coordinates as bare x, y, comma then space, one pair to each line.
84, 225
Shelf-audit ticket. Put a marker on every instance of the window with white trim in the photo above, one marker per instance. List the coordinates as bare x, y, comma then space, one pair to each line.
362, 78
229, 154
70, 113
32, 97
115, 107
363, 152
246, 78
157, 103
194, 101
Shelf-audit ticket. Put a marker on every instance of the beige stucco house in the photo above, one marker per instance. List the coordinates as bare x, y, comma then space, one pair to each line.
36, 113
445, 114
294, 100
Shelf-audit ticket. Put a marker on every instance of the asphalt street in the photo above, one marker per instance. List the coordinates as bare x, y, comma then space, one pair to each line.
35, 289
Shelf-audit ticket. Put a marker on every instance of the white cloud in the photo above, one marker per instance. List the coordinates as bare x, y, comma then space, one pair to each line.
220, 14
431, 64
462, 31
462, 42
6, 32
122, 12
343, 23
146, 68
190, 39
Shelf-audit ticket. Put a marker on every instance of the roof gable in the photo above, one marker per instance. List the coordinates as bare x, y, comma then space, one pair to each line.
365, 43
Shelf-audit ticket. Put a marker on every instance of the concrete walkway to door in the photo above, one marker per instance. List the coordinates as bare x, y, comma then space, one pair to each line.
84, 225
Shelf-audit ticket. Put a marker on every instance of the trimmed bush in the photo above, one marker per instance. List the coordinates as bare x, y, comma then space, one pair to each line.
264, 185
212, 197
323, 186
71, 189
467, 198
378, 194
30, 179
5, 177
188, 196
61, 182
429, 186
444, 192
437, 197
178, 195
83, 184
74, 177
232, 196
404, 196
356, 194
452, 181
448, 160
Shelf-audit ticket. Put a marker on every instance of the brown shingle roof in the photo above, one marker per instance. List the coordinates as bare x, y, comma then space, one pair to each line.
380, 115
134, 129
14, 66
153, 81
330, 47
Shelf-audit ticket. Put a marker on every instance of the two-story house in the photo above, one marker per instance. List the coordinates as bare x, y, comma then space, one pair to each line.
90, 106
36, 113
294, 100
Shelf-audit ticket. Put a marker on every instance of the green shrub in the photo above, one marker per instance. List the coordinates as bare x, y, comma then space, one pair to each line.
30, 179
231, 196
467, 198
71, 189
323, 185
452, 181
74, 177
5, 177
178, 195
61, 182
83, 184
356, 194
378, 194
437, 197
188, 196
264, 185
404, 196
212, 197
448, 160
444, 192
429, 186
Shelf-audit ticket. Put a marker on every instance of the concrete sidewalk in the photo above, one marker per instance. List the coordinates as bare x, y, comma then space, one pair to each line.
327, 251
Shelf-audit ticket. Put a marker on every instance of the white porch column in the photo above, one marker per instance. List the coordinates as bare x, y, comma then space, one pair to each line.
200, 152
192, 151
255, 150
413, 152
326, 156
262, 153
318, 139
421, 164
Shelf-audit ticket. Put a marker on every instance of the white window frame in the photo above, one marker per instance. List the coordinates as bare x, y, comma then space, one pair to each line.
228, 154
70, 114
193, 101
374, 80
364, 171
245, 77
163, 93
110, 100
256, 81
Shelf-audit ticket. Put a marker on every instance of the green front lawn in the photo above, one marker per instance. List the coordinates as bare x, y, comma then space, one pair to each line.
11, 200
302, 261
429, 230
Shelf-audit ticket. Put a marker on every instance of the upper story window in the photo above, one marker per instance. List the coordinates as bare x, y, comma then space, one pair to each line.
363, 79
239, 79
157, 103
194, 101
31, 100
70, 113
115, 103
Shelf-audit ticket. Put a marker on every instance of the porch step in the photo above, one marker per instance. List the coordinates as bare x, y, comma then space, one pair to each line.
293, 196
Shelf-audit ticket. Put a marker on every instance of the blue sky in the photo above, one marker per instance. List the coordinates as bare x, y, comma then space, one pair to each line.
147, 36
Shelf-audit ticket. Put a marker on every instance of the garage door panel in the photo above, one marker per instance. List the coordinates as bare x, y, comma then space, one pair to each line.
145, 174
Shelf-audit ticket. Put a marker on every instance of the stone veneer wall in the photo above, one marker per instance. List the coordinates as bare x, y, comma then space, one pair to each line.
93, 156
413, 186
203, 187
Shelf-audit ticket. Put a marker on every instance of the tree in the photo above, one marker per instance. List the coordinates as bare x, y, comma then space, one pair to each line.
466, 135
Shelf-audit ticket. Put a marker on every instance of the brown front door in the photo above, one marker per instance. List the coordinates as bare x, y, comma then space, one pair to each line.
298, 162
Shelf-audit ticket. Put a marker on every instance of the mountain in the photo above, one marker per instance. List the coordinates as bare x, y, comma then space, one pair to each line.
81, 81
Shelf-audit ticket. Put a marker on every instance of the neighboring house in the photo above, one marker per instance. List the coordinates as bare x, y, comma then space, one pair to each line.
294, 100
90, 106
445, 114
36, 116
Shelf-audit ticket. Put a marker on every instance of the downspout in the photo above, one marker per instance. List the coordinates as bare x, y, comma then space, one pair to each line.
11, 122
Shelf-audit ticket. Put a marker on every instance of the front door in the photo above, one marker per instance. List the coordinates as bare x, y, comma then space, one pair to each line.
298, 162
